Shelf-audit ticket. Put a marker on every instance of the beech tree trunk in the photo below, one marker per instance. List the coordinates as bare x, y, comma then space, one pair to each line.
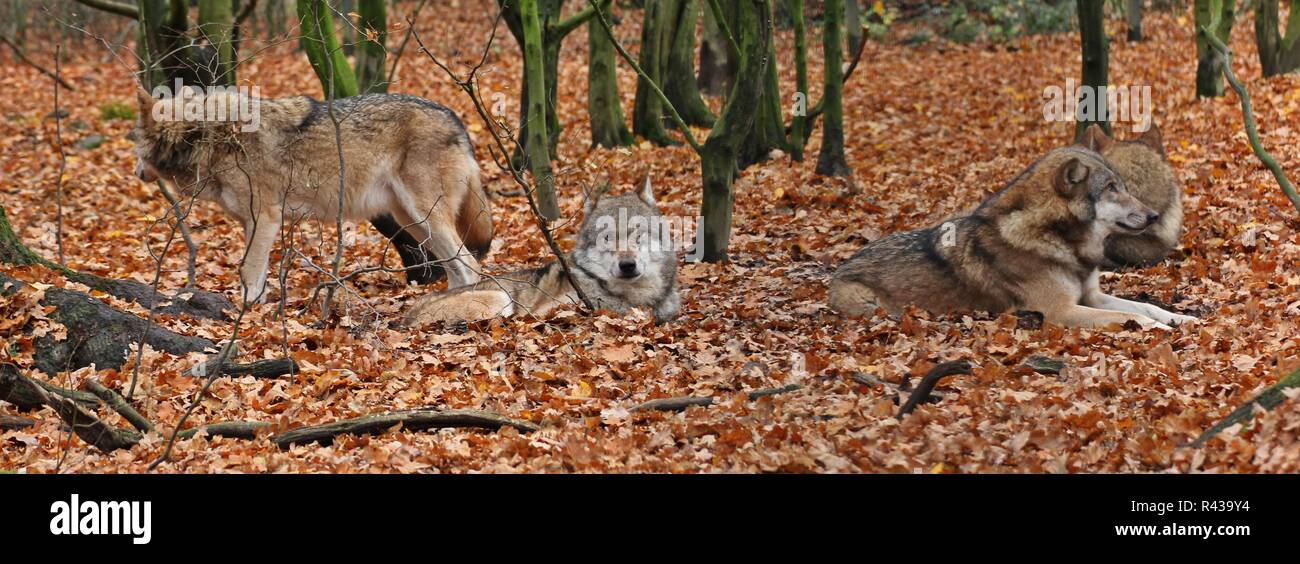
648, 111
830, 161
322, 47
604, 110
719, 154
679, 82
216, 21
372, 51
1096, 60
1278, 53
1218, 17
1133, 17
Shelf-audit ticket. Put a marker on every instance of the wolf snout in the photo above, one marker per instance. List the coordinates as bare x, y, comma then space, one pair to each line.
1140, 220
627, 268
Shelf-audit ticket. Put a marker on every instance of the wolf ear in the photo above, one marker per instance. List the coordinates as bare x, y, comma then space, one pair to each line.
647, 192
1094, 138
1071, 177
1152, 138
145, 101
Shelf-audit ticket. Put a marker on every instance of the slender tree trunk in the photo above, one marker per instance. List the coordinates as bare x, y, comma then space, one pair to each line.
1277, 53
1096, 61
608, 129
372, 52
1218, 17
830, 161
768, 132
539, 159
716, 67
647, 113
1134, 19
718, 156
323, 51
799, 123
216, 21
679, 82
852, 27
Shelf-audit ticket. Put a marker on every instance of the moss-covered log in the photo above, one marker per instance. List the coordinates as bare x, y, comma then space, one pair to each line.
1268, 399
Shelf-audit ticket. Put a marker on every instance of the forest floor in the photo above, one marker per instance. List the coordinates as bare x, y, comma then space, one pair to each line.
930, 131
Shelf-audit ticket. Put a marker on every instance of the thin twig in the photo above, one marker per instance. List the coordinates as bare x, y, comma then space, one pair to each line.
18, 52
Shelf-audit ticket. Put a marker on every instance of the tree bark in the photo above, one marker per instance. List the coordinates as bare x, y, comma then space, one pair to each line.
679, 75
648, 111
321, 43
1133, 18
717, 68
372, 52
799, 121
535, 141
604, 109
1218, 17
718, 156
1096, 61
1278, 53
768, 132
830, 160
216, 21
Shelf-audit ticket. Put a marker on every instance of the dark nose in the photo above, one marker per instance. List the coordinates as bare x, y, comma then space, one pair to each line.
627, 267
1152, 217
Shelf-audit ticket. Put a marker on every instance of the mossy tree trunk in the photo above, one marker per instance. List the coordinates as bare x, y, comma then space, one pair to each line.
535, 140
768, 132
216, 21
1278, 53
1133, 19
1217, 16
679, 82
719, 154
604, 109
553, 31
372, 51
717, 67
799, 122
648, 111
321, 44
830, 160
1096, 61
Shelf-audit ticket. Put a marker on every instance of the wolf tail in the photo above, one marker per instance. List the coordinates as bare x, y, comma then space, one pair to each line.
474, 218
850, 297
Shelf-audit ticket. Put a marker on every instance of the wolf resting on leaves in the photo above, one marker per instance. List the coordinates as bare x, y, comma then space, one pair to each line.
624, 258
1035, 245
403, 156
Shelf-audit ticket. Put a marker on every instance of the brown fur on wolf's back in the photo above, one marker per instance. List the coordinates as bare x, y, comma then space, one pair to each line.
978, 261
1150, 178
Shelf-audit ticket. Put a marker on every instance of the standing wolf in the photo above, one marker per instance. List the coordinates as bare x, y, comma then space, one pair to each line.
624, 258
1035, 245
404, 158
1142, 163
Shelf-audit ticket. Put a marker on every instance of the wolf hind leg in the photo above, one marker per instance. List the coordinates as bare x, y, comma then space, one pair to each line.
438, 238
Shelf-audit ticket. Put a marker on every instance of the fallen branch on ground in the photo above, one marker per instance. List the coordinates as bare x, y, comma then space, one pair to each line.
415, 420
89, 428
1267, 399
680, 403
119, 404
926, 387
14, 422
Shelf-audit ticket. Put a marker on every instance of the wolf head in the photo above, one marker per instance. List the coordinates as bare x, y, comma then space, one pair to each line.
623, 238
1111, 197
169, 144
1142, 163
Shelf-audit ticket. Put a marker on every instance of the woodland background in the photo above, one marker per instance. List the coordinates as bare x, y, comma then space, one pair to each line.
944, 107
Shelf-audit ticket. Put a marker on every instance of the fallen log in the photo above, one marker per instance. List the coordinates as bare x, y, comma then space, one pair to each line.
14, 422
197, 303
89, 428
415, 420
97, 333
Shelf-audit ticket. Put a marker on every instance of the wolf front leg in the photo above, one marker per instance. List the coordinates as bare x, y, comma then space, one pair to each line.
1094, 297
260, 235
1058, 297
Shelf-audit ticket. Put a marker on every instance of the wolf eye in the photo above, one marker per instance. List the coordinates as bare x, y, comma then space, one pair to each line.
1111, 187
